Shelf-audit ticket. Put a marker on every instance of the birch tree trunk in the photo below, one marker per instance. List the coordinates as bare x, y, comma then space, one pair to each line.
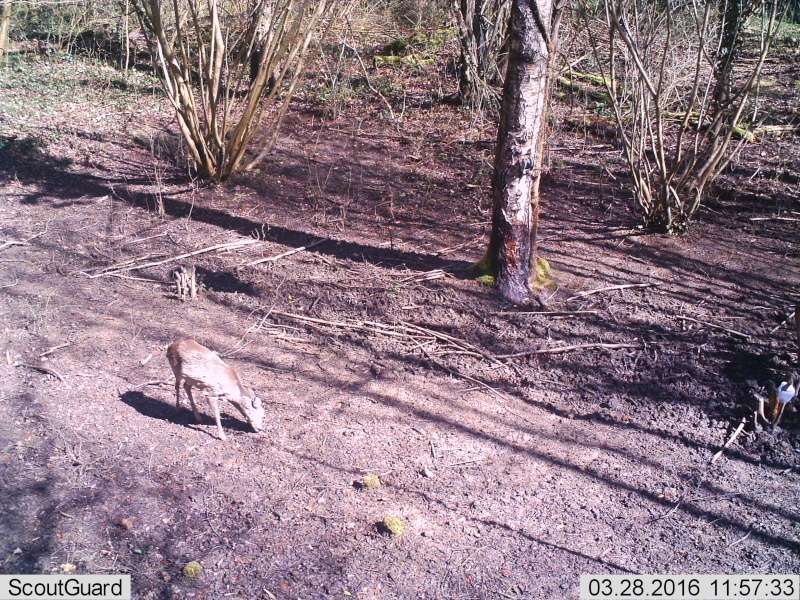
5, 26
518, 154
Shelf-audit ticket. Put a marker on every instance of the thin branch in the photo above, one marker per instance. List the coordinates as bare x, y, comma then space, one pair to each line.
119, 268
25, 242
45, 370
277, 257
730, 441
610, 288
548, 313
49, 351
714, 326
562, 349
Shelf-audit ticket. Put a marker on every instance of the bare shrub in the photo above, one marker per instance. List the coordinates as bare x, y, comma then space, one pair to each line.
223, 63
681, 97
415, 14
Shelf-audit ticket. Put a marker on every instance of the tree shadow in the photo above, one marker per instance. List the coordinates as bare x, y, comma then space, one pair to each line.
55, 181
225, 282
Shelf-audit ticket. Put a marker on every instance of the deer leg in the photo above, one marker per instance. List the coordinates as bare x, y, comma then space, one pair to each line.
780, 414
215, 406
177, 393
188, 388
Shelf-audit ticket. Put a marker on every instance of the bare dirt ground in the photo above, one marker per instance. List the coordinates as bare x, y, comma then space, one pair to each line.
515, 475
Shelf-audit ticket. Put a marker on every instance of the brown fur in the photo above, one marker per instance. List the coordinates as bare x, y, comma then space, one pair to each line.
196, 366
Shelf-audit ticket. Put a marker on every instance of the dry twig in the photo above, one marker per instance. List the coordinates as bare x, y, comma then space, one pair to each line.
791, 316
713, 326
283, 254
426, 276
775, 219
156, 382
25, 242
561, 349
548, 313
730, 441
740, 540
404, 330
45, 370
127, 266
610, 288
54, 348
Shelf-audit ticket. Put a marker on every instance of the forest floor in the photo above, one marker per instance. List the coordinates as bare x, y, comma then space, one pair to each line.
514, 475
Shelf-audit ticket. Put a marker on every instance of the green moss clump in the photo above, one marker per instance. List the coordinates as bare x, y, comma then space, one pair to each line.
487, 280
393, 525
413, 60
193, 569
543, 279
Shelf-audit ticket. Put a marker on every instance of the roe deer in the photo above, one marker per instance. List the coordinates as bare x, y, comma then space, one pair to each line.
197, 366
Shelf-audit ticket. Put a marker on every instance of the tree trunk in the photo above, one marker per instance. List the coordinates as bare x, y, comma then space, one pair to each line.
482, 26
5, 26
732, 24
519, 150
472, 47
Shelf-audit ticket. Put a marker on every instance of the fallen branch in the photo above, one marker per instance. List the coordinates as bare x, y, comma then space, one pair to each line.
122, 267
156, 382
54, 348
459, 246
426, 276
668, 514
577, 87
713, 326
406, 331
129, 278
283, 254
310, 319
731, 439
41, 369
480, 383
464, 462
454, 341
555, 313
130, 261
144, 239
793, 220
792, 315
560, 349
740, 540
611, 288
764, 129
9, 243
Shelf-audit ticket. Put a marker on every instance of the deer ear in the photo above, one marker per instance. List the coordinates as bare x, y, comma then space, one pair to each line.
256, 403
